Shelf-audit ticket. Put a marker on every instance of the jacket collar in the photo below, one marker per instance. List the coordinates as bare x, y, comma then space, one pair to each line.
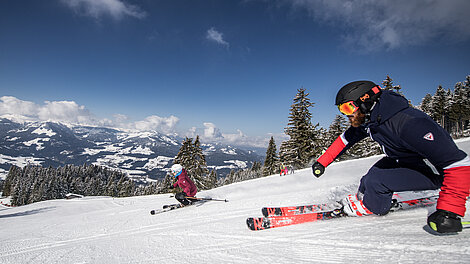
387, 106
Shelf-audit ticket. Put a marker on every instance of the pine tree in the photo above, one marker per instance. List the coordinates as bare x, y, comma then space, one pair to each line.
425, 105
337, 127
256, 166
212, 179
271, 161
191, 157
200, 172
459, 110
466, 86
387, 84
184, 156
168, 181
10, 180
439, 105
303, 135
230, 178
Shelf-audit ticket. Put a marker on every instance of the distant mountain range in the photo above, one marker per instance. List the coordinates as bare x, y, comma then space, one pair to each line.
143, 156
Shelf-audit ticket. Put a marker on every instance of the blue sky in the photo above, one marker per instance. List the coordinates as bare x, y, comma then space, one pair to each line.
226, 70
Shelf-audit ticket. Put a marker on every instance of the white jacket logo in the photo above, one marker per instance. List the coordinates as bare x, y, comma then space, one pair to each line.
429, 136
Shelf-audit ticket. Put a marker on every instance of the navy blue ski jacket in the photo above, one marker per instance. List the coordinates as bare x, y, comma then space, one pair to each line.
413, 139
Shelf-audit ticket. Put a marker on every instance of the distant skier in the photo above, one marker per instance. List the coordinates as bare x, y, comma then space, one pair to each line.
283, 169
291, 169
420, 155
186, 197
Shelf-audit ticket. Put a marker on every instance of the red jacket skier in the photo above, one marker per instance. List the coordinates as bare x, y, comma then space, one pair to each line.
186, 197
420, 155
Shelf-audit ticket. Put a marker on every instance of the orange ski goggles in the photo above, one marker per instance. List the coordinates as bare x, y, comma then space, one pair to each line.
348, 108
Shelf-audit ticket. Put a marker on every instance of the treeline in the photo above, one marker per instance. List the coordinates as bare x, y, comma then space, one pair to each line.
34, 183
450, 108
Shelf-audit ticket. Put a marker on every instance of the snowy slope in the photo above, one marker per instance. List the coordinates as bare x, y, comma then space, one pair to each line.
107, 230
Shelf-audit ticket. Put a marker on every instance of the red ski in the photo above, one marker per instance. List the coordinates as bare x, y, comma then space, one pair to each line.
315, 208
292, 215
261, 223
297, 210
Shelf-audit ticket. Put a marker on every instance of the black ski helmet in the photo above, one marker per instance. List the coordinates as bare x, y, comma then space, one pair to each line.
363, 93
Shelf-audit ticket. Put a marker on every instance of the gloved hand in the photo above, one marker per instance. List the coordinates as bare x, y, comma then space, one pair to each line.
444, 221
318, 169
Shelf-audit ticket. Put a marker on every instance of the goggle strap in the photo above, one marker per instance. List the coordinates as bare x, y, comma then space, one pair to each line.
374, 91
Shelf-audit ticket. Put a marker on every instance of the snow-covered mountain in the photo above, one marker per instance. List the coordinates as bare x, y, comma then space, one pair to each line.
143, 155
121, 230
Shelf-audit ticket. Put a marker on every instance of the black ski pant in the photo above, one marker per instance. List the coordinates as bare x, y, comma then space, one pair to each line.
183, 199
387, 176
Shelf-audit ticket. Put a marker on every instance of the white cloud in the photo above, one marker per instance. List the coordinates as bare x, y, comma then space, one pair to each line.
211, 132
373, 25
65, 111
215, 36
98, 8
62, 111
15, 106
162, 124
234, 138
71, 112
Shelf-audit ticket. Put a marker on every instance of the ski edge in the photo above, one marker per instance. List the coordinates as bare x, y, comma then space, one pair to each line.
166, 208
273, 221
269, 222
324, 207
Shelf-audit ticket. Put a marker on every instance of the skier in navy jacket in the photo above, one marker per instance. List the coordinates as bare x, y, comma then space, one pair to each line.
420, 155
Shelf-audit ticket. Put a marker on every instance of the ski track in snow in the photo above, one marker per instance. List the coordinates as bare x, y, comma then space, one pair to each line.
121, 230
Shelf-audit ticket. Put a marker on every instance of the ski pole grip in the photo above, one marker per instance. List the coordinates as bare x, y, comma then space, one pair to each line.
318, 169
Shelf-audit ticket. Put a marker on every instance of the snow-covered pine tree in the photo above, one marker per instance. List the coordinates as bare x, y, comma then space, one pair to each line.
387, 84
168, 181
191, 157
287, 153
271, 161
184, 156
466, 123
256, 166
212, 179
303, 135
425, 105
200, 172
440, 104
230, 178
10, 180
450, 109
459, 110
337, 127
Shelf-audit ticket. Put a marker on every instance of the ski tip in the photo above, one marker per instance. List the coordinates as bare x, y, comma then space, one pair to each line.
250, 223
257, 223
264, 211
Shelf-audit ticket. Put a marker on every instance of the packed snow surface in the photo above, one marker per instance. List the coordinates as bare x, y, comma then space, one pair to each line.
121, 230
